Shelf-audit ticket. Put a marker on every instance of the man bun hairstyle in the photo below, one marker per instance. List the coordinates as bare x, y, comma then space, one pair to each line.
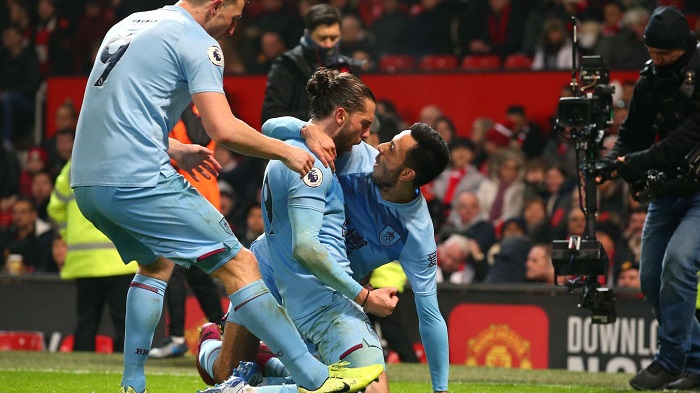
329, 89
429, 157
321, 14
668, 29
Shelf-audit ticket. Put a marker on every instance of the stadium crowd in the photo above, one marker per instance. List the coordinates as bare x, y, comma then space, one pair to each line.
510, 188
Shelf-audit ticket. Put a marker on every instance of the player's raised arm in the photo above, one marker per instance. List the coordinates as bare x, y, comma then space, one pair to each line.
225, 129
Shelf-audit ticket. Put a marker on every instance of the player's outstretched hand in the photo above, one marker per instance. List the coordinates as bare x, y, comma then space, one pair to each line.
298, 160
320, 144
194, 159
382, 301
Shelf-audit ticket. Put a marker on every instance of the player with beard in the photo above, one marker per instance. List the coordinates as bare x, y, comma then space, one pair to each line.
387, 220
302, 253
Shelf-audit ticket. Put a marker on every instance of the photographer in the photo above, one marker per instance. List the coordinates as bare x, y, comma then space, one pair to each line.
665, 106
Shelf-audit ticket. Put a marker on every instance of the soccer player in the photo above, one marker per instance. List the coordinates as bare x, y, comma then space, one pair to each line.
387, 220
149, 67
303, 248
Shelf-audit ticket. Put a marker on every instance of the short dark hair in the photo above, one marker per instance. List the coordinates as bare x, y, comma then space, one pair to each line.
329, 89
321, 14
429, 157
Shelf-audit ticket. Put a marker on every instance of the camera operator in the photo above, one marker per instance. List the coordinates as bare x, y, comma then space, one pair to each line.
665, 106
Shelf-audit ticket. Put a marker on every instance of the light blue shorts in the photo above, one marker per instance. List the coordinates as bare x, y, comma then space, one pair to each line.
172, 219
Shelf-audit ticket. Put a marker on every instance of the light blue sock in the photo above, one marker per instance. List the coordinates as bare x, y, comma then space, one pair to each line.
259, 312
144, 304
208, 353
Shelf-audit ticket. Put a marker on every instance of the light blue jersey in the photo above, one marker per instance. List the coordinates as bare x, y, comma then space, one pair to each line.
379, 232
318, 193
149, 66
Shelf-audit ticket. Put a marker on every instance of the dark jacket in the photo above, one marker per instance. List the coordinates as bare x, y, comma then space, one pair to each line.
285, 94
656, 95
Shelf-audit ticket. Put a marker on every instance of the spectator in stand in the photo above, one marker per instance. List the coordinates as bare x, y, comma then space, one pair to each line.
429, 115
356, 38
92, 261
254, 225
558, 199
506, 259
452, 261
493, 27
42, 187
628, 276
575, 223
271, 46
429, 32
480, 127
471, 222
536, 16
535, 174
30, 237
461, 176
9, 186
446, 128
501, 195
53, 40
21, 17
20, 79
537, 225
622, 40
92, 25
37, 161
613, 197
285, 94
392, 28
527, 135
554, 48
538, 267
61, 146
274, 17
559, 151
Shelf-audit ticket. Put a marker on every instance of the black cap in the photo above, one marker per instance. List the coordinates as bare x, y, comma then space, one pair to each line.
668, 29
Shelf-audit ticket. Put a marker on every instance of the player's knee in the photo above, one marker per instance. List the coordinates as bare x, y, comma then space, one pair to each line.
365, 356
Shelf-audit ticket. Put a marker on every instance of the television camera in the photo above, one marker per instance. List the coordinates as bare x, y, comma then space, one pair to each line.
585, 119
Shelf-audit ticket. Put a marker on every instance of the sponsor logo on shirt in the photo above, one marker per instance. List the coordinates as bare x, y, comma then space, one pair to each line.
215, 56
388, 236
314, 178
353, 241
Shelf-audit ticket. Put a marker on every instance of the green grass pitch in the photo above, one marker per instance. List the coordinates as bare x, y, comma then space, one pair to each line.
34, 372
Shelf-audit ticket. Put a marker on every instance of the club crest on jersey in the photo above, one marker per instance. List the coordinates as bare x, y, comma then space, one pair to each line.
388, 236
314, 178
224, 224
215, 55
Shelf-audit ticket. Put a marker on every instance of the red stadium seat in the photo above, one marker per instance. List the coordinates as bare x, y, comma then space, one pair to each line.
394, 63
518, 61
103, 344
481, 62
437, 62
21, 341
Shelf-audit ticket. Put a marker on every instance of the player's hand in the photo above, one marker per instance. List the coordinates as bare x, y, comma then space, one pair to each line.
298, 160
320, 144
382, 302
196, 160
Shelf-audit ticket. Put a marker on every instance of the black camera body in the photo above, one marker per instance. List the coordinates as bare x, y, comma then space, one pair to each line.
594, 110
